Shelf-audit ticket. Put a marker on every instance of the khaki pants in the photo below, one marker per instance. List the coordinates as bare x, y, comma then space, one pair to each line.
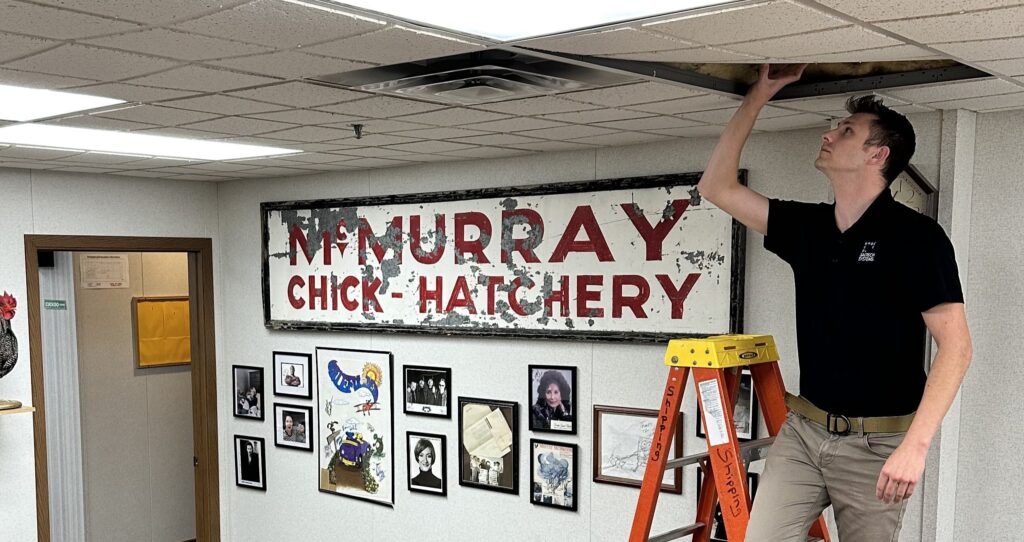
808, 468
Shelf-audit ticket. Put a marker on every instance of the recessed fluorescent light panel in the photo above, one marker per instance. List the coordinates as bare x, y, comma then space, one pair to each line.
506, 21
21, 104
108, 141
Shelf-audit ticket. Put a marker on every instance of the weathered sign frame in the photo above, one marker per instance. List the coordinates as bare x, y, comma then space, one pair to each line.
686, 181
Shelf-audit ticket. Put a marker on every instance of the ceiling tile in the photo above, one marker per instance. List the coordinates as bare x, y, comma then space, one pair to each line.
223, 166
686, 105
758, 21
623, 138
312, 134
487, 152
222, 105
817, 43
553, 146
154, 114
91, 63
180, 45
307, 158
393, 45
184, 131
33, 153
609, 42
872, 10
379, 126
596, 115
299, 94
515, 124
879, 54
631, 94
987, 103
431, 146
995, 23
56, 23
998, 49
84, 169
143, 163
536, 106
18, 164
151, 174
102, 123
951, 91
439, 133
40, 80
792, 122
104, 158
498, 139
308, 117
12, 46
381, 107
696, 54
829, 105
568, 132
132, 93
375, 162
147, 11
374, 152
696, 131
370, 140
1009, 67
649, 123
279, 24
911, 109
290, 64
202, 79
454, 116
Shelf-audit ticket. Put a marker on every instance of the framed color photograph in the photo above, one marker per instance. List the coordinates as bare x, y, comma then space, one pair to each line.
250, 462
718, 533
622, 442
248, 386
292, 426
553, 468
293, 374
489, 444
428, 391
552, 399
355, 422
745, 413
428, 463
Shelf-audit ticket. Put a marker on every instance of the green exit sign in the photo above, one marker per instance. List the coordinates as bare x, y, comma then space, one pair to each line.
55, 305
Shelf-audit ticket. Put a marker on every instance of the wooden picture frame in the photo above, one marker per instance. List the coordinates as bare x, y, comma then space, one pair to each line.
622, 461
161, 331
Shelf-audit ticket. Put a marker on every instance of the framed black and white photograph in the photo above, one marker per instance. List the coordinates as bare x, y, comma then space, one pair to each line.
428, 391
292, 426
293, 374
553, 470
744, 416
622, 442
552, 399
428, 463
248, 385
250, 462
489, 444
718, 533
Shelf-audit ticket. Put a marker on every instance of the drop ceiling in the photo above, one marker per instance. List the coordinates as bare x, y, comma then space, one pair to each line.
238, 71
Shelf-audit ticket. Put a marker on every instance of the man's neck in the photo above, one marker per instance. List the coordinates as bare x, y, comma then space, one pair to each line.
853, 197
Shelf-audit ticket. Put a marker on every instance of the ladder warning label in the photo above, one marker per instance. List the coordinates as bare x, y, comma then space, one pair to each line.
714, 414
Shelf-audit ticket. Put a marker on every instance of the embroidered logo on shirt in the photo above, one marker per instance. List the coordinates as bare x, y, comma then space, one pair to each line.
867, 254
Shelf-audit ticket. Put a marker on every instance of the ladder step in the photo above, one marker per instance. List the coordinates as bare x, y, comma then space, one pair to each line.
751, 451
676, 533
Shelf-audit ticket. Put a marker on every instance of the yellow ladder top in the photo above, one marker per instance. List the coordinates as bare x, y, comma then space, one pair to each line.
721, 351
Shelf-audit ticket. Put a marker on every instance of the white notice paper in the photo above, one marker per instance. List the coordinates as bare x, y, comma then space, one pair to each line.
104, 271
714, 417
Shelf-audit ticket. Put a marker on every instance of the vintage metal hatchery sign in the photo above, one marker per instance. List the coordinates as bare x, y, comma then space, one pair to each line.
640, 258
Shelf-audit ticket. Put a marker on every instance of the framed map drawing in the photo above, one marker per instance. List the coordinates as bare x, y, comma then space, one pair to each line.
622, 442
355, 418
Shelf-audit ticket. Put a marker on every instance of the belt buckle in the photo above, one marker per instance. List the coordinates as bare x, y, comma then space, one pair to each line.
832, 424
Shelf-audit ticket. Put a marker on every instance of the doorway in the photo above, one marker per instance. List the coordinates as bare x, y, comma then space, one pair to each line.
198, 258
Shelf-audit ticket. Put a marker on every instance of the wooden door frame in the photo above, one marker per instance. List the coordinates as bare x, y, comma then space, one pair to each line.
204, 363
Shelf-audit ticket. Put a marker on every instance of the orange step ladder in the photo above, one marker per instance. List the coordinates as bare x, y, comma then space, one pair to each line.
716, 363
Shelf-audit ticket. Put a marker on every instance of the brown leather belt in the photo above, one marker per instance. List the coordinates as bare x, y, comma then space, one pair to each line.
838, 424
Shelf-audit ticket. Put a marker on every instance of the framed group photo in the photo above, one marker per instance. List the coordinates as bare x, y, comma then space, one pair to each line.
292, 426
744, 415
622, 442
552, 391
489, 444
250, 462
428, 391
553, 469
293, 374
428, 464
248, 386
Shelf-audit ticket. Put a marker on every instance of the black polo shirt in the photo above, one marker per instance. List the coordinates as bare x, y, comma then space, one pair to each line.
859, 299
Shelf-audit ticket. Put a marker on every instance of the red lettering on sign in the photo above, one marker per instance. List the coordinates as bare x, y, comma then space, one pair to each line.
655, 236
370, 295
512, 300
418, 253
526, 245
315, 293
492, 283
460, 297
366, 232
560, 296
296, 282
347, 285
584, 296
636, 302
430, 295
677, 295
476, 246
582, 217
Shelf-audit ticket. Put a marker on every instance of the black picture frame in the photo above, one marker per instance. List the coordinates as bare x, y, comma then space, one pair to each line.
281, 362
243, 472
636, 458
539, 463
540, 416
440, 445
281, 440
472, 467
718, 533
745, 400
243, 379
427, 408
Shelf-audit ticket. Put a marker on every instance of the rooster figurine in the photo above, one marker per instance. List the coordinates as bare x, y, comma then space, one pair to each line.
8, 342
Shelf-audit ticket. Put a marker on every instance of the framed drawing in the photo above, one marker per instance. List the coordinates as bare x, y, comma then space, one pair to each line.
553, 471
489, 444
355, 419
293, 374
428, 391
250, 462
292, 426
161, 331
745, 412
248, 385
428, 463
622, 442
718, 533
552, 400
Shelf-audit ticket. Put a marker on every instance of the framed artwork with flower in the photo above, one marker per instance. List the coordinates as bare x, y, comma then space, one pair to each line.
8, 342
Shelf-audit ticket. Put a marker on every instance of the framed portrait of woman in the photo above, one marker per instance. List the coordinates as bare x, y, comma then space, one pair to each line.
428, 463
552, 399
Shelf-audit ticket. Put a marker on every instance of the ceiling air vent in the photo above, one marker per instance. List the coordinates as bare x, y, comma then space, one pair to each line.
474, 78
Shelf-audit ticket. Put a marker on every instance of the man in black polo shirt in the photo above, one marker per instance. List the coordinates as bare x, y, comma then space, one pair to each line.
870, 276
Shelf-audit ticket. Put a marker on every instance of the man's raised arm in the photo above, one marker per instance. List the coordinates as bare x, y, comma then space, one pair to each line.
720, 183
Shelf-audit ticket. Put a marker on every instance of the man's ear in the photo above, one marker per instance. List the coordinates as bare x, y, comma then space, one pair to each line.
880, 155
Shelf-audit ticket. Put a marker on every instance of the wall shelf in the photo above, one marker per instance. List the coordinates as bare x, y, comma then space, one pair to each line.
18, 410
